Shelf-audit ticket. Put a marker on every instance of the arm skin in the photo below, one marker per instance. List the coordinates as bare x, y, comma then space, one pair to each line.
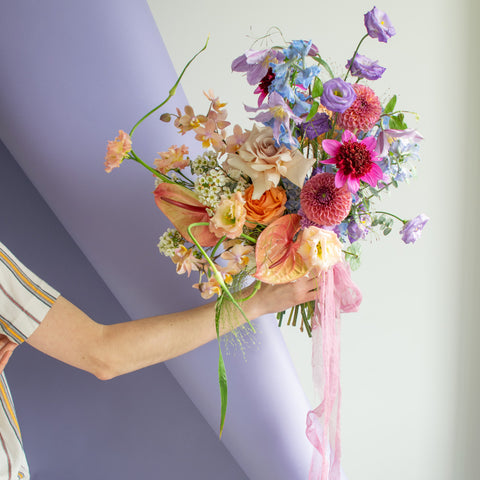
107, 351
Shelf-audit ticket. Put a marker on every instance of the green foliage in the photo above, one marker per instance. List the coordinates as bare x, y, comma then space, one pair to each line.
390, 105
313, 111
397, 122
317, 89
352, 255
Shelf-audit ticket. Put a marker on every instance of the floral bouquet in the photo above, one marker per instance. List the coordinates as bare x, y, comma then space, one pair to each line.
290, 196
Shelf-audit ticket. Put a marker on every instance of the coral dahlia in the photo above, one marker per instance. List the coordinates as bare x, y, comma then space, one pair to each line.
363, 113
322, 202
355, 160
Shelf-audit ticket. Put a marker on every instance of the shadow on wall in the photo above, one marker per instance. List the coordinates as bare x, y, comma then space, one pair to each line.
467, 464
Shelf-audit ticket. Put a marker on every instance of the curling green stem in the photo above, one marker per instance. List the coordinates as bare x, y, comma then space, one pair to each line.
172, 91
391, 215
250, 239
218, 245
164, 178
256, 288
215, 271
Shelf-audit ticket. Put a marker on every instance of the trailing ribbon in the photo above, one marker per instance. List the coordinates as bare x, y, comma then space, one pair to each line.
338, 294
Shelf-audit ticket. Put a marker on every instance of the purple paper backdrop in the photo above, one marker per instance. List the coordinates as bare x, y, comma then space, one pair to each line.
75, 426
72, 74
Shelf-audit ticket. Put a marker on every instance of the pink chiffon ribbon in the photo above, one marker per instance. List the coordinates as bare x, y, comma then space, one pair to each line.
338, 294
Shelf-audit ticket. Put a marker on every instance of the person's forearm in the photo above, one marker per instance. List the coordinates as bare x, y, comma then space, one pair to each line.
164, 337
71, 336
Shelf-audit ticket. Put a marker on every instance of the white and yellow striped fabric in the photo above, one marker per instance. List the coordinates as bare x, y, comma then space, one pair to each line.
25, 300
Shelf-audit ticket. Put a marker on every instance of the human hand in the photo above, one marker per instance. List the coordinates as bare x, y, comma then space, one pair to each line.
277, 298
6, 349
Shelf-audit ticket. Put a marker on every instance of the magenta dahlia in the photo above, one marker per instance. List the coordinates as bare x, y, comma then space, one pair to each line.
322, 202
363, 113
355, 160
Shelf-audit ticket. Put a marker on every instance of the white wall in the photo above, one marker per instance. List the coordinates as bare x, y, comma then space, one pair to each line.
402, 367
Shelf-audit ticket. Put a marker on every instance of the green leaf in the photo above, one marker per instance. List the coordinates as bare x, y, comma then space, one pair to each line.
222, 374
313, 111
317, 90
353, 255
397, 122
387, 231
322, 62
390, 105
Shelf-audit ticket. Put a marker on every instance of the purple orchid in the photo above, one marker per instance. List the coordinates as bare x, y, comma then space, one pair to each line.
379, 25
363, 67
256, 63
337, 95
412, 230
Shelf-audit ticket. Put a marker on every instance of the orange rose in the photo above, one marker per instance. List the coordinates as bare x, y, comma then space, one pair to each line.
267, 208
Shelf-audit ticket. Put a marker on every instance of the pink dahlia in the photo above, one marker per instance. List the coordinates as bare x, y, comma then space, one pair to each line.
355, 160
322, 202
364, 112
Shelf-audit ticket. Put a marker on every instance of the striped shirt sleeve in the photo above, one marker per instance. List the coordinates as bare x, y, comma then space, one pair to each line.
25, 299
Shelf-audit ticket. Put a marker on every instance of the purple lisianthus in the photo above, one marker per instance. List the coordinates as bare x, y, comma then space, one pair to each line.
379, 25
320, 123
363, 67
337, 95
412, 230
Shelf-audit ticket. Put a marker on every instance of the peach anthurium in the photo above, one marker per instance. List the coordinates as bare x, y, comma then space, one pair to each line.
277, 258
182, 207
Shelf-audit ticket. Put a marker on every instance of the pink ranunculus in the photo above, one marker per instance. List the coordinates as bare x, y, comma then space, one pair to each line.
117, 150
229, 217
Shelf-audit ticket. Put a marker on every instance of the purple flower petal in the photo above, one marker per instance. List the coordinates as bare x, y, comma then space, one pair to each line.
337, 95
378, 25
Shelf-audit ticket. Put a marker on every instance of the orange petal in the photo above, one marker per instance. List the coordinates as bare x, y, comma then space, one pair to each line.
276, 252
182, 208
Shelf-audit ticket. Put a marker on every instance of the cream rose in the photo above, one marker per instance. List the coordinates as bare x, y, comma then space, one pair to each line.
229, 217
320, 249
265, 163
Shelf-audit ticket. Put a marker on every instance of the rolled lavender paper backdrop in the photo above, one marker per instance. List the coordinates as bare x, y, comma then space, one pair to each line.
72, 74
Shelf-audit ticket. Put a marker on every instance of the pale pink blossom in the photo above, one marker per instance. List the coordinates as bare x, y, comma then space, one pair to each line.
186, 261
189, 121
173, 158
117, 150
237, 256
229, 217
216, 104
236, 140
320, 249
209, 135
208, 289
265, 163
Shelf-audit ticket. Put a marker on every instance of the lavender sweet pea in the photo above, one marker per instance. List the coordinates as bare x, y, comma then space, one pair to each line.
256, 63
337, 95
379, 25
363, 67
412, 230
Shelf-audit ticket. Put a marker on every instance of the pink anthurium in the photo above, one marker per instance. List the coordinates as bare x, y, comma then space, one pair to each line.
182, 207
276, 252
